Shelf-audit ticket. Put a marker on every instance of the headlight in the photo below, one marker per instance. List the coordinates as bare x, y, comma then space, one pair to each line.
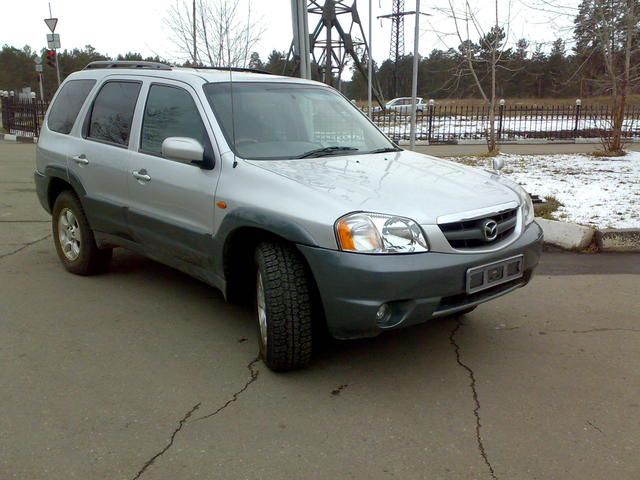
377, 233
527, 206
525, 199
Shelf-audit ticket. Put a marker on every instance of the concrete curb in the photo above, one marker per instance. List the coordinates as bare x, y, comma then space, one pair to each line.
618, 240
571, 236
17, 138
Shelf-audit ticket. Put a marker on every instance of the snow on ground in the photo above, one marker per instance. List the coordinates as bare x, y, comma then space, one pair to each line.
603, 192
513, 127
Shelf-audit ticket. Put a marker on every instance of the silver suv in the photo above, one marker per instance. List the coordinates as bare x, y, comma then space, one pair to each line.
279, 191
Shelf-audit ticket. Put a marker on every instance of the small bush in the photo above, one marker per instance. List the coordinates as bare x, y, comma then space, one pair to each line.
544, 210
603, 153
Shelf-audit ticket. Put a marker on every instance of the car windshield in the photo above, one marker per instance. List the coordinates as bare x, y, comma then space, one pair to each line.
269, 121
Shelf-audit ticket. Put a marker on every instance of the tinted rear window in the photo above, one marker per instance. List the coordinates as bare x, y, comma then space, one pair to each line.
69, 101
112, 112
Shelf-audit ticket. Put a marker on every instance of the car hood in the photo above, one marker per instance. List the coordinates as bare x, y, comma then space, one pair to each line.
401, 183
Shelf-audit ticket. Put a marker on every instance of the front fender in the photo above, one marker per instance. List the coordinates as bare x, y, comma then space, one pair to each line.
275, 223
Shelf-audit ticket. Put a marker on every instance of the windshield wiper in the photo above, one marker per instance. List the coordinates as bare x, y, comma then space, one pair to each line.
318, 152
386, 150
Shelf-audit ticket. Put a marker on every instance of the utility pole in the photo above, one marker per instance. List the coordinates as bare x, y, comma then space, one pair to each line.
370, 60
337, 38
414, 81
301, 46
38, 62
396, 48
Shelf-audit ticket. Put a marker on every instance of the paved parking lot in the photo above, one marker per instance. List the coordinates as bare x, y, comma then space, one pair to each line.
147, 373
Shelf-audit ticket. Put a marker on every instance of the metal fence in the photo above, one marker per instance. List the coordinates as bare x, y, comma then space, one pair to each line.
436, 124
22, 116
445, 124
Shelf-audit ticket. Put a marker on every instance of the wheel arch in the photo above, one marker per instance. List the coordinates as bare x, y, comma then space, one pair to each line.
60, 181
237, 257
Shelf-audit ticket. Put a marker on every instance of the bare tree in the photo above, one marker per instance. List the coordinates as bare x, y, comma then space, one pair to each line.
607, 30
615, 23
214, 32
181, 22
493, 43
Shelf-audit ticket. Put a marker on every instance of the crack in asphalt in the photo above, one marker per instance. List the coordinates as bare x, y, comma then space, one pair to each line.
26, 245
25, 221
253, 377
595, 427
597, 330
183, 420
476, 410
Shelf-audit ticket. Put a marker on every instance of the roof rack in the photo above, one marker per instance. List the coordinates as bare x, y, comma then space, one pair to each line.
234, 69
127, 64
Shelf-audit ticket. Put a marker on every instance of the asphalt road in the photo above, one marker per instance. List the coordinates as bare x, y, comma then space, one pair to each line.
147, 373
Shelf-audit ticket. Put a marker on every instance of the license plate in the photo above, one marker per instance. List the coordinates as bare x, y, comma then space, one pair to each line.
496, 273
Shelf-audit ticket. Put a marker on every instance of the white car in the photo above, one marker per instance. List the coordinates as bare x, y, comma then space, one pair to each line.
402, 105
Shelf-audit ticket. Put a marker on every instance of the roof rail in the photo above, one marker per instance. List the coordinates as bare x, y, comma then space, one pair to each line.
234, 69
127, 64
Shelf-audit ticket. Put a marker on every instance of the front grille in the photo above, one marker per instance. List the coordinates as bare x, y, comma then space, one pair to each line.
470, 233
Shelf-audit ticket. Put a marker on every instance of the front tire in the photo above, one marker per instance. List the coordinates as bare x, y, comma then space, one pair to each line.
74, 240
283, 307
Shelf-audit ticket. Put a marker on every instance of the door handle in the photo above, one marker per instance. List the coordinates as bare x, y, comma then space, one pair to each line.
81, 159
141, 175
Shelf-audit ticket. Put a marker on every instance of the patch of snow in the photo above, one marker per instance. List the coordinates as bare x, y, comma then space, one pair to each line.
600, 191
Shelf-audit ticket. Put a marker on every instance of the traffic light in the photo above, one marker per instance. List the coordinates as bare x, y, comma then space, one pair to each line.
51, 58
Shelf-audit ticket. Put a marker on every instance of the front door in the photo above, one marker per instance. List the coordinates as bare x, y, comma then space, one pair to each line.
172, 202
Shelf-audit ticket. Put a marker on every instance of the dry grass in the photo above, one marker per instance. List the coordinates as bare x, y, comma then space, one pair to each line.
544, 210
603, 153
492, 153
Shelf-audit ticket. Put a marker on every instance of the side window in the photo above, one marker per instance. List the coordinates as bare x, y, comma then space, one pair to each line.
170, 112
112, 112
68, 103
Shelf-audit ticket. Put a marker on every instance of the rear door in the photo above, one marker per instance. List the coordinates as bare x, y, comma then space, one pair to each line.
172, 202
99, 157
53, 144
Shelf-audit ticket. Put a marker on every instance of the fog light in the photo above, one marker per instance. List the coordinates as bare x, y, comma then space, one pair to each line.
383, 313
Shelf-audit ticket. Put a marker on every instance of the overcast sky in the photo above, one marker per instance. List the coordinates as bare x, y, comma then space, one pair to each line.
118, 26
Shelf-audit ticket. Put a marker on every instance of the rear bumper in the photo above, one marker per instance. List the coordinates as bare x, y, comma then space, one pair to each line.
42, 185
418, 287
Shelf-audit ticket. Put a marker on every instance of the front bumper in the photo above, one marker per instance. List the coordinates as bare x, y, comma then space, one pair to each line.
418, 287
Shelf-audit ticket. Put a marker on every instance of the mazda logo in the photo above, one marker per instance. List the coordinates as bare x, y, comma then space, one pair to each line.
490, 230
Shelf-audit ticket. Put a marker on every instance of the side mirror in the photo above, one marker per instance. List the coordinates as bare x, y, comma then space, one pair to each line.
498, 163
183, 149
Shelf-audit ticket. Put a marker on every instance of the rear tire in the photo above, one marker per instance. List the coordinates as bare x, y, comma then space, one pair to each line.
74, 240
283, 307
